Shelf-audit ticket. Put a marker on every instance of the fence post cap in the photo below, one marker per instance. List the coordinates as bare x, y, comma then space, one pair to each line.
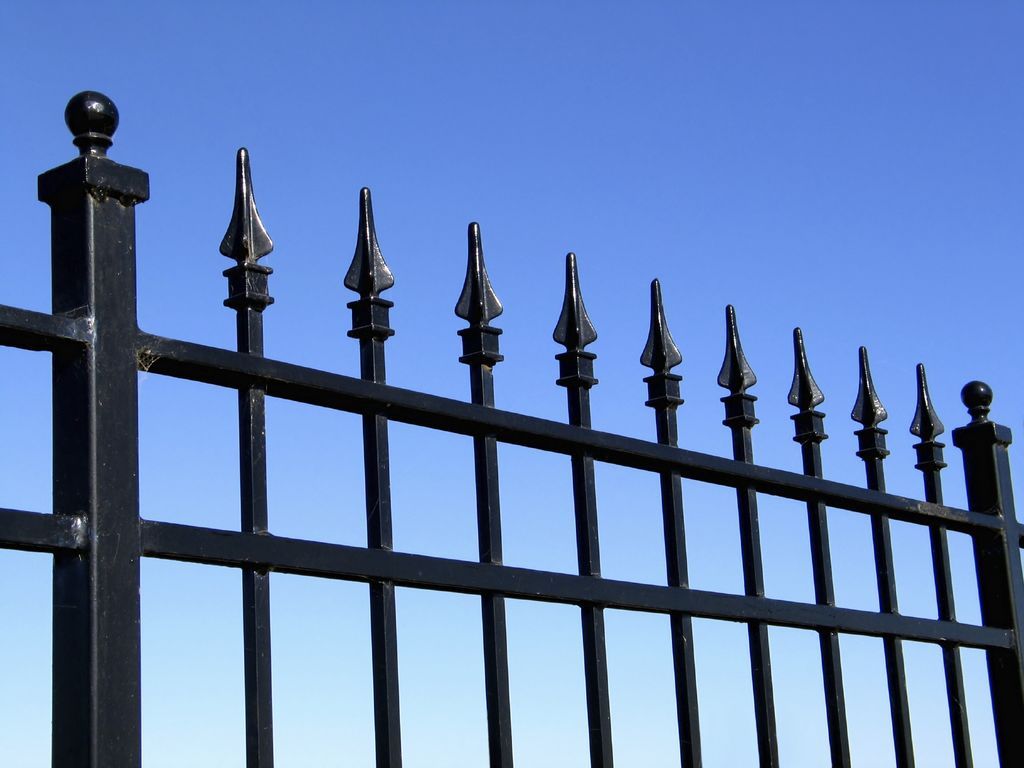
977, 396
979, 432
92, 118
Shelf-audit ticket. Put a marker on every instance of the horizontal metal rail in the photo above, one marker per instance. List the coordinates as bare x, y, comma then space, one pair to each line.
225, 368
34, 531
39, 331
312, 558
39, 532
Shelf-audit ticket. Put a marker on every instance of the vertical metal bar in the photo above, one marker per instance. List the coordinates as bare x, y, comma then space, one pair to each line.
997, 559
927, 426
810, 427
595, 659
575, 331
383, 617
478, 305
246, 241
661, 355
499, 707
368, 275
869, 411
96, 644
956, 695
255, 583
737, 376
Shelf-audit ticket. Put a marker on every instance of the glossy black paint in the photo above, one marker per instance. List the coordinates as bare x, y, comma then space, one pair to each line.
575, 332
805, 395
478, 305
738, 377
985, 445
96, 536
369, 275
246, 241
96, 662
661, 355
926, 426
869, 412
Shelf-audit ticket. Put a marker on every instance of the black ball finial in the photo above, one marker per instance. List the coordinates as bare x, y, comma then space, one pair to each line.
977, 396
92, 119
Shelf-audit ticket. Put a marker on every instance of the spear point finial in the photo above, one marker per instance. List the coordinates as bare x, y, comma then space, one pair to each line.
661, 353
368, 274
246, 239
736, 375
478, 304
868, 410
574, 330
804, 393
926, 424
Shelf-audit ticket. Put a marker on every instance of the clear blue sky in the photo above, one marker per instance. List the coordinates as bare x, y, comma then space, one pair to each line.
853, 168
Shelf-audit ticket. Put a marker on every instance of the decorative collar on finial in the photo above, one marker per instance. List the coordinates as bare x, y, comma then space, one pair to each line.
368, 274
926, 424
574, 330
736, 374
661, 353
246, 239
92, 119
804, 393
977, 396
478, 304
868, 410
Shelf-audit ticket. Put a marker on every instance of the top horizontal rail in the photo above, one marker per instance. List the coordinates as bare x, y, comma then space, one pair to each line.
196, 362
41, 331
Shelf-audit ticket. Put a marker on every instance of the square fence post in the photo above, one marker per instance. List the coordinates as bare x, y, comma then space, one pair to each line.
997, 560
96, 655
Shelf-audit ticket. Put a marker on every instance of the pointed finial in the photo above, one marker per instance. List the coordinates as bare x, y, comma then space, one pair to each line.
478, 304
868, 410
661, 353
977, 396
804, 393
246, 239
92, 119
368, 275
736, 374
574, 330
926, 424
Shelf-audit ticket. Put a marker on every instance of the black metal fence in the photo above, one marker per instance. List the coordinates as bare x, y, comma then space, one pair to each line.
97, 537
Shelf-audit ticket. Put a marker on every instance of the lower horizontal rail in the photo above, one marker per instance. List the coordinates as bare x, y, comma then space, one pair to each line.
37, 532
297, 556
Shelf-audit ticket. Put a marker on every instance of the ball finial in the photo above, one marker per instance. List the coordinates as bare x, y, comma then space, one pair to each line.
977, 396
92, 119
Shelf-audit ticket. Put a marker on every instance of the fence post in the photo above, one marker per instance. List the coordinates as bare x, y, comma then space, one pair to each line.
997, 560
96, 709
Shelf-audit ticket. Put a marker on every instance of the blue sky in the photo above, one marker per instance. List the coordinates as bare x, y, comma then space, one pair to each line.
856, 169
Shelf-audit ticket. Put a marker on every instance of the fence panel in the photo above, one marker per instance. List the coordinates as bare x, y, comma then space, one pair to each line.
97, 537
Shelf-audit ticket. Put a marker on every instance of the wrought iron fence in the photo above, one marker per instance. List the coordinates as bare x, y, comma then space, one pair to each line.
97, 537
